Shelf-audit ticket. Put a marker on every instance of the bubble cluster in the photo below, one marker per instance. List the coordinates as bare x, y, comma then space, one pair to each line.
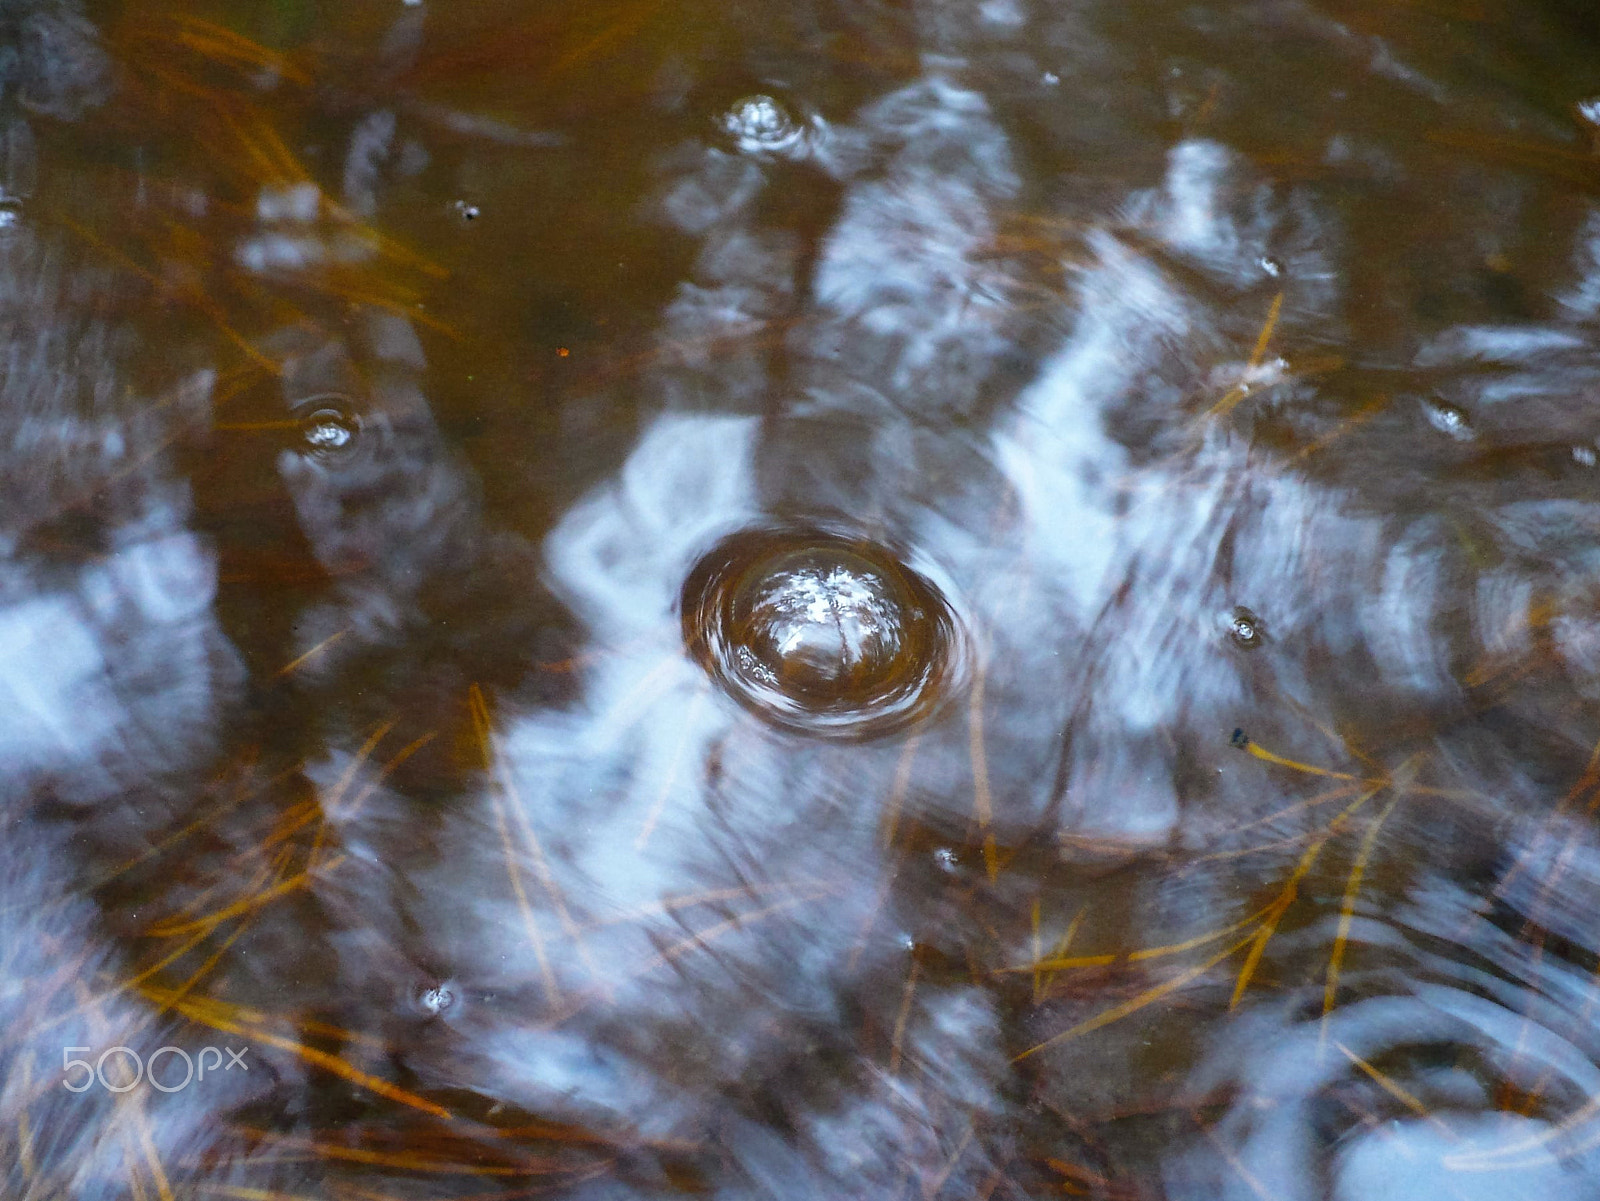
760, 123
820, 633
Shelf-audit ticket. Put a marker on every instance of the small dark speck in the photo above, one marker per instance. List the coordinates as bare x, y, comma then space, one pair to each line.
1240, 739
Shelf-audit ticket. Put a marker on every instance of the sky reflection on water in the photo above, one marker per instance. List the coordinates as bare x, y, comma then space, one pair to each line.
948, 600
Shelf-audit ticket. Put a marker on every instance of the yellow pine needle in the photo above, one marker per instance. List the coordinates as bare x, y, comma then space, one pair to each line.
1312, 802
1359, 418
205, 968
711, 896
1058, 962
1347, 908
197, 903
1042, 986
933, 1186
1231, 1158
899, 788
1239, 391
1269, 926
699, 939
617, 26
393, 765
1395, 1090
903, 1016
982, 801
1038, 947
1199, 940
214, 41
387, 245
670, 777
1260, 752
262, 142
1149, 997
147, 1146
205, 1015
420, 1161
211, 921
703, 938
24, 1126
1588, 780
479, 710
529, 920
1077, 1174
504, 792
1290, 891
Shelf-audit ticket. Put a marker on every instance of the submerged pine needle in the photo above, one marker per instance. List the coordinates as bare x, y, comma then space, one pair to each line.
1149, 997
1395, 1090
904, 1016
1348, 907
982, 801
1239, 391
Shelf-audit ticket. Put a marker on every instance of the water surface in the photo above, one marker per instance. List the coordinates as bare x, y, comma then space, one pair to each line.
918, 599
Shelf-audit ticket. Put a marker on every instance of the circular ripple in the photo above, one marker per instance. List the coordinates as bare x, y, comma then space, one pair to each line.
820, 633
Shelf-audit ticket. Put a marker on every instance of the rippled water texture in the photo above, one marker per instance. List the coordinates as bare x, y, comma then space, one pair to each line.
919, 600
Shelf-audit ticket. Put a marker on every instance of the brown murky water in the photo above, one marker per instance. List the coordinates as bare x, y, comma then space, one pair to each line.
922, 599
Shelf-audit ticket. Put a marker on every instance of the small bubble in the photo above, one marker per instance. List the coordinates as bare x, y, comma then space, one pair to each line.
437, 999
465, 210
760, 123
1448, 419
1589, 110
329, 429
1271, 266
1050, 79
1584, 455
1245, 629
947, 860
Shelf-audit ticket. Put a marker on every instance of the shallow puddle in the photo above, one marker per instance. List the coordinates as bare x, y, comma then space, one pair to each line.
896, 600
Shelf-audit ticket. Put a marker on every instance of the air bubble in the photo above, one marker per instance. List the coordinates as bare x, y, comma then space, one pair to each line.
820, 633
329, 428
437, 999
466, 210
1271, 266
1244, 627
1449, 419
1584, 455
10, 213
